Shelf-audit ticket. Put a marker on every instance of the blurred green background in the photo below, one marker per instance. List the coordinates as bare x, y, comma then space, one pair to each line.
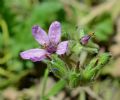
19, 79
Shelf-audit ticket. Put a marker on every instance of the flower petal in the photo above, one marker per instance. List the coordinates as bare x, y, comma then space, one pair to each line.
54, 32
34, 54
40, 35
62, 47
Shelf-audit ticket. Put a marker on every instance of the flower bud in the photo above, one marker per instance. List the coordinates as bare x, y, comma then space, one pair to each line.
74, 79
103, 59
58, 67
95, 65
84, 40
89, 72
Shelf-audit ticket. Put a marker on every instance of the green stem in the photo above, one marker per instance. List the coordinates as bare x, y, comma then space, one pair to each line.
13, 79
5, 32
6, 73
44, 83
82, 95
5, 58
82, 58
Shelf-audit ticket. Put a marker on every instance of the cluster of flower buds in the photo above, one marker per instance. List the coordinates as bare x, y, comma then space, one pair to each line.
67, 67
95, 65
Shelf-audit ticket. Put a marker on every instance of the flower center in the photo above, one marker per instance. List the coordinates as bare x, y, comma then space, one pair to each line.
51, 48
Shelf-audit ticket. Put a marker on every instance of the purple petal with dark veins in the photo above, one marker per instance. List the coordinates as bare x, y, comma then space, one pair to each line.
54, 32
62, 47
34, 54
40, 35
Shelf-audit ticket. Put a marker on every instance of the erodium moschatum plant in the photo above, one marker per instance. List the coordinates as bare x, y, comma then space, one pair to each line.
76, 61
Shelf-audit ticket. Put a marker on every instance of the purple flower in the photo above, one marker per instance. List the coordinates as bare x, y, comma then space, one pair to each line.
51, 43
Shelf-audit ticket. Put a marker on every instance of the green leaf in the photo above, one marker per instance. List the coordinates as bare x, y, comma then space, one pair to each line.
58, 67
56, 88
1, 40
